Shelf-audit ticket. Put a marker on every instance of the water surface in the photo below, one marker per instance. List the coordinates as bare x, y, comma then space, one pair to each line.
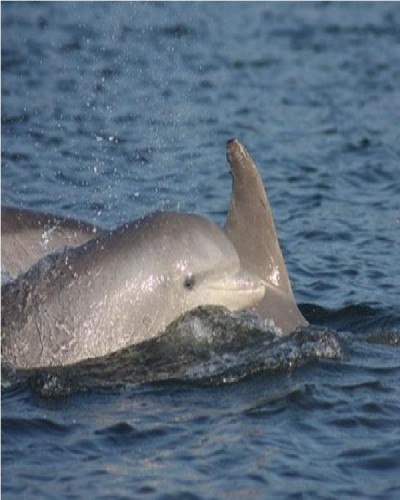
113, 110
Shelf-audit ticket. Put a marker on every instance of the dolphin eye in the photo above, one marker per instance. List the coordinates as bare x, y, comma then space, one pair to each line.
189, 282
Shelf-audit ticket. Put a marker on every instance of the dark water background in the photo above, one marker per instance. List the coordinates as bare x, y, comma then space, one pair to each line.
110, 111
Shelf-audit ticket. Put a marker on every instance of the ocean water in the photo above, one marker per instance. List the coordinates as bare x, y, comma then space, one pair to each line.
113, 110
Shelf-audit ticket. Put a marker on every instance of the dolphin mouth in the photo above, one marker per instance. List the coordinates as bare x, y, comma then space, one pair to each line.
240, 283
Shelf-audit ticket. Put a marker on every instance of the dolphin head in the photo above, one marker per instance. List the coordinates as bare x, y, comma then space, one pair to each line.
148, 273
204, 267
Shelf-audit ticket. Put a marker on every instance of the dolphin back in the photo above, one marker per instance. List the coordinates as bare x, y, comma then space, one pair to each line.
27, 236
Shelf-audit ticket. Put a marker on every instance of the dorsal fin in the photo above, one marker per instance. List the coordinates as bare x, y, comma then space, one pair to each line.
251, 229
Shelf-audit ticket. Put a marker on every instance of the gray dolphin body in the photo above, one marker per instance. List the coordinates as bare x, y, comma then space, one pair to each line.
120, 288
250, 227
126, 286
27, 236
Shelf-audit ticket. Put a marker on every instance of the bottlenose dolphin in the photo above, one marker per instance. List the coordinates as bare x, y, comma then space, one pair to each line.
65, 330
27, 236
250, 227
120, 288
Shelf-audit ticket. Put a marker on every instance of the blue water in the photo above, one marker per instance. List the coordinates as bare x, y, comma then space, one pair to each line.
113, 110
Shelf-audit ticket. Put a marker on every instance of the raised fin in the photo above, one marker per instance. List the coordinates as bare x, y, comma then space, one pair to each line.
251, 229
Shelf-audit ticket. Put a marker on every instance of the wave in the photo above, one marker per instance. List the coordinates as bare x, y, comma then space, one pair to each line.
208, 345
211, 345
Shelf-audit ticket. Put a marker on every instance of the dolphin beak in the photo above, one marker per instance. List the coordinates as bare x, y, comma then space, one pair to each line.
240, 290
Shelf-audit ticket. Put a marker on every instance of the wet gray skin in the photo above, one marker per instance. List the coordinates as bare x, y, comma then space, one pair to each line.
119, 289
27, 236
256, 242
